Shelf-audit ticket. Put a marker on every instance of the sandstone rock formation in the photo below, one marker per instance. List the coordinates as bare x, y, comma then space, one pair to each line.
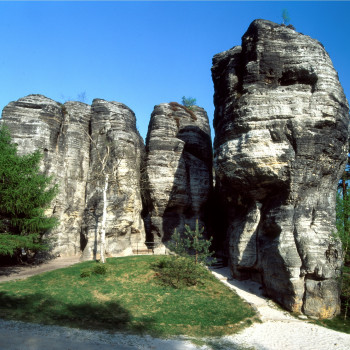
178, 169
70, 137
114, 125
281, 122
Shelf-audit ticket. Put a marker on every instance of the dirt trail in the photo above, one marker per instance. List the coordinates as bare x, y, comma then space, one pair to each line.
10, 273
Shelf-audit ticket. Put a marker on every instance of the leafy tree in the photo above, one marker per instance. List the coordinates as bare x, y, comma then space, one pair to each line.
285, 16
25, 193
188, 101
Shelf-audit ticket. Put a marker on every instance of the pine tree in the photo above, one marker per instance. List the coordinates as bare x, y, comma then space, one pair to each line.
192, 245
285, 16
25, 193
188, 102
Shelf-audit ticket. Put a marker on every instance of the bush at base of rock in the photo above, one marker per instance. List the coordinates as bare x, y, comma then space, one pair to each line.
178, 272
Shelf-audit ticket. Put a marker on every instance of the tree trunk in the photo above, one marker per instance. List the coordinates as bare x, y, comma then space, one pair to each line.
103, 224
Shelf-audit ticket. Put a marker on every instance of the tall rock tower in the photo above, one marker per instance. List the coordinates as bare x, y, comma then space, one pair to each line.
73, 137
281, 122
178, 169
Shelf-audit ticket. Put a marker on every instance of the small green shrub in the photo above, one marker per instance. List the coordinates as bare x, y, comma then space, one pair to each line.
186, 267
192, 244
98, 269
178, 272
188, 102
85, 273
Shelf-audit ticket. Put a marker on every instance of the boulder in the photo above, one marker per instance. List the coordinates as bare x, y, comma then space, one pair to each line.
281, 122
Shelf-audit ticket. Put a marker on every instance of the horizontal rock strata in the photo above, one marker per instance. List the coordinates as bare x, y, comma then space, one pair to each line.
281, 122
178, 169
113, 127
71, 136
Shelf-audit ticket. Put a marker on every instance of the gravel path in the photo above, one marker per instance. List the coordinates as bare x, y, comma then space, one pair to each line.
279, 330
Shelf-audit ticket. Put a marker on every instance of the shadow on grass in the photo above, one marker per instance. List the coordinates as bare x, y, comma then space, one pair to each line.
108, 315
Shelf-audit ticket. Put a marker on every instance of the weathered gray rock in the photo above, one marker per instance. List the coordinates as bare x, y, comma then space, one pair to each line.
67, 135
113, 125
281, 122
178, 169
37, 122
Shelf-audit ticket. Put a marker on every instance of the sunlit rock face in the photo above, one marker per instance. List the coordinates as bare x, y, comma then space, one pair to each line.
178, 170
71, 137
115, 141
281, 122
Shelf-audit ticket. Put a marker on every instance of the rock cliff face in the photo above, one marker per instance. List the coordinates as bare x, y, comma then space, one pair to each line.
71, 136
281, 122
178, 169
113, 126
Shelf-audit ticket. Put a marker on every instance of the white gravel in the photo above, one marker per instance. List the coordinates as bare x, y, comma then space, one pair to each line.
16, 335
279, 330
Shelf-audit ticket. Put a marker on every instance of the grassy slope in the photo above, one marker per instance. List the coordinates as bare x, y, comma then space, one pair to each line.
128, 298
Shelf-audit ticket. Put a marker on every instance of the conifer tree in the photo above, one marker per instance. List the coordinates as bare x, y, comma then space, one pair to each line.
192, 245
25, 193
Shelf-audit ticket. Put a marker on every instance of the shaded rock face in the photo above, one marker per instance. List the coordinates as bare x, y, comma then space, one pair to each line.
281, 122
178, 170
70, 136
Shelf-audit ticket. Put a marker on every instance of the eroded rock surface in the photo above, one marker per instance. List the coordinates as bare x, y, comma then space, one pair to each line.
113, 127
70, 136
178, 169
281, 122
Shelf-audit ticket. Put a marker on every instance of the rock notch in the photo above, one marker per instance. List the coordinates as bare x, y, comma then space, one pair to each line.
281, 122
178, 169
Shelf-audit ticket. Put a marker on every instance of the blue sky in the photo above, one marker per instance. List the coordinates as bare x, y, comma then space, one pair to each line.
143, 53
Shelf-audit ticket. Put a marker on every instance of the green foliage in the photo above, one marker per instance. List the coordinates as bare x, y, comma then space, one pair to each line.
10, 243
100, 269
86, 273
343, 233
178, 272
128, 300
186, 267
285, 16
345, 295
97, 269
192, 245
25, 194
342, 223
188, 101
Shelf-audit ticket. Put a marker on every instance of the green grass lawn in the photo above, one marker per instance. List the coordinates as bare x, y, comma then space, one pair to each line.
128, 298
